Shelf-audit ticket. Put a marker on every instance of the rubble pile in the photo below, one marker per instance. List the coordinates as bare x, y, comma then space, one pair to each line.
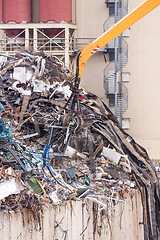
59, 143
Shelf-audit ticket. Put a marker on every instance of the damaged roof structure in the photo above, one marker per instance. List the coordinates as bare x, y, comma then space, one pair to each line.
60, 143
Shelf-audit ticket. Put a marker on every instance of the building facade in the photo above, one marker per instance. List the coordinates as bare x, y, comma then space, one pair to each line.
139, 75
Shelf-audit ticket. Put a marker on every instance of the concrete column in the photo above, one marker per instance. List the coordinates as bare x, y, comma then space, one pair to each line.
35, 11
26, 37
74, 11
67, 46
35, 39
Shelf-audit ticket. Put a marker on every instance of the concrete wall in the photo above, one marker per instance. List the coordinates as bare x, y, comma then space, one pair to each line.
93, 73
144, 85
77, 220
143, 65
90, 16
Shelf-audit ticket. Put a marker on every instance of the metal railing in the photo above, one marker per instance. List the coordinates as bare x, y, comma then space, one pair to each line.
44, 44
78, 43
41, 44
113, 71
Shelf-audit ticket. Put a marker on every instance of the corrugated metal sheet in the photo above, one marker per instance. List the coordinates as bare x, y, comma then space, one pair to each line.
53, 10
77, 220
17, 11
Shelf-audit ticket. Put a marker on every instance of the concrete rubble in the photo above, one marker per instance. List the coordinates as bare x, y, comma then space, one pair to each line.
60, 143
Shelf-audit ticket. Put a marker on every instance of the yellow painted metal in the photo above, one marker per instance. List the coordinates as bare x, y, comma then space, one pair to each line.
126, 22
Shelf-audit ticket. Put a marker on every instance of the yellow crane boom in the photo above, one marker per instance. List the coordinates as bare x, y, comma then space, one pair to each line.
126, 22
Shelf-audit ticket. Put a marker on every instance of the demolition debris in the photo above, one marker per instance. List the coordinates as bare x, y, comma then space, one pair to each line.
59, 143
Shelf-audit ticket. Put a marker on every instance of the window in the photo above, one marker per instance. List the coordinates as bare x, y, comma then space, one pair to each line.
112, 100
111, 56
125, 77
111, 10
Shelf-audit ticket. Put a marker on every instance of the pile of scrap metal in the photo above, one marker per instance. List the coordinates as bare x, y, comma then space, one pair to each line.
61, 143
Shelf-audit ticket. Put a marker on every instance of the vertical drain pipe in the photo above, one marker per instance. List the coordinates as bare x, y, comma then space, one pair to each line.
121, 62
116, 53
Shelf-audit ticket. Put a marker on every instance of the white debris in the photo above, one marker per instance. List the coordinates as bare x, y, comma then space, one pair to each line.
8, 187
22, 74
111, 155
53, 196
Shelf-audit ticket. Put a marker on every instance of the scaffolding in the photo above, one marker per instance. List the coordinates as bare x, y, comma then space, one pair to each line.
53, 38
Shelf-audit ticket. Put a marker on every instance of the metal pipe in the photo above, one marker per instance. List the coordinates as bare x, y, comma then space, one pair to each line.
115, 59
